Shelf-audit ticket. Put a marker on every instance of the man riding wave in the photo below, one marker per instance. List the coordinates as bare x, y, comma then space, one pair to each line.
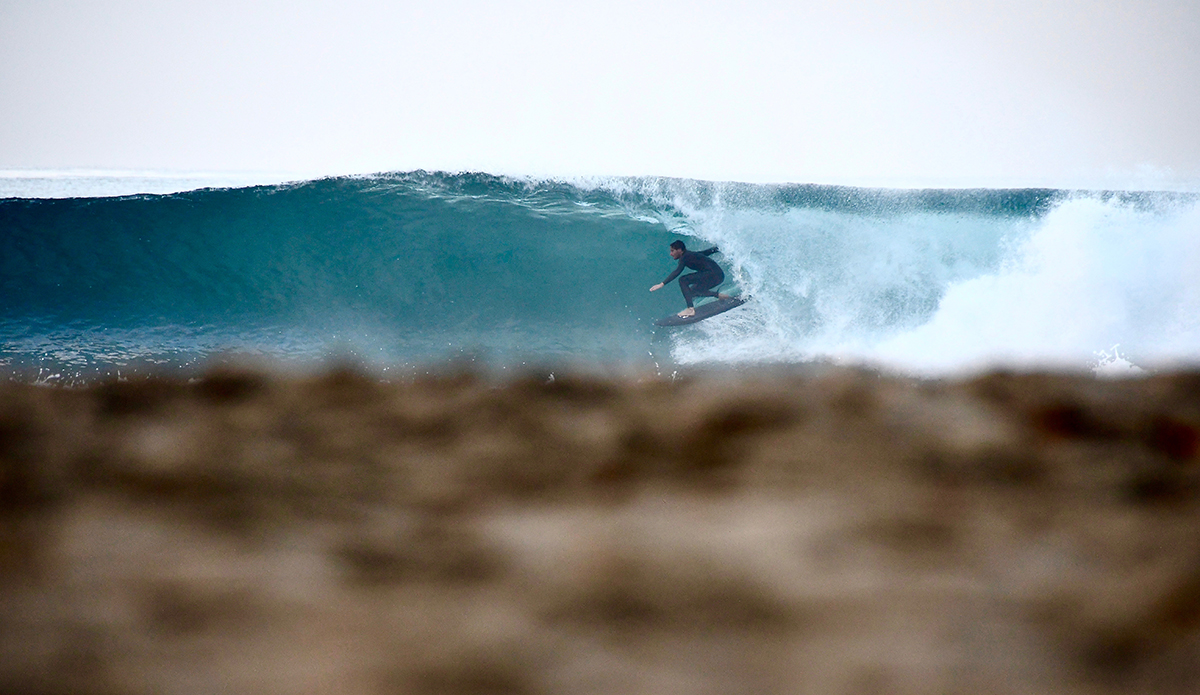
701, 283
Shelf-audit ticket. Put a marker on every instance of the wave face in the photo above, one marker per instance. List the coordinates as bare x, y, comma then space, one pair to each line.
405, 270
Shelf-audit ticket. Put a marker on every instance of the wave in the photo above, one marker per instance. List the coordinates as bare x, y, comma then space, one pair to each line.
1092, 275
408, 269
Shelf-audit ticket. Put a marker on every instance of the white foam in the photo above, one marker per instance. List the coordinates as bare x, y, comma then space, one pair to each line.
938, 294
1092, 274
1113, 365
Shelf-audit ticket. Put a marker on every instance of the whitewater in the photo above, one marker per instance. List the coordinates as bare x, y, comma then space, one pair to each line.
407, 272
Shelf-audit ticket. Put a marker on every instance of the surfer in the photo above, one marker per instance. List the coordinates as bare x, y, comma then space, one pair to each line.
698, 284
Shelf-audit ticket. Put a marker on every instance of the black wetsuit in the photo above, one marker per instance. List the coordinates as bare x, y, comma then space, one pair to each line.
702, 282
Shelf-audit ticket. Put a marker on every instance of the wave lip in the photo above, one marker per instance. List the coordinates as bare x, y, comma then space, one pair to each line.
75, 183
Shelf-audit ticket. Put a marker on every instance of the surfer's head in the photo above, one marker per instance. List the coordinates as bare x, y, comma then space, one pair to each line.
677, 249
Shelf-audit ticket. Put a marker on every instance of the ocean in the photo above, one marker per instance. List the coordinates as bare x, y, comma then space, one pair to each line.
404, 273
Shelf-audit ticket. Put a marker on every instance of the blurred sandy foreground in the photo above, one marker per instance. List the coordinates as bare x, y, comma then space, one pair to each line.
758, 533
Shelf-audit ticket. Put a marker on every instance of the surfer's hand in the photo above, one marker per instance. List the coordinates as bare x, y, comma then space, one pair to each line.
657, 287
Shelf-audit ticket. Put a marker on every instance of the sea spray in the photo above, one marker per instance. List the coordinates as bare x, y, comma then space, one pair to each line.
1091, 273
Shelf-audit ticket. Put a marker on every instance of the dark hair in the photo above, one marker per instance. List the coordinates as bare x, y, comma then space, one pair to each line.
677, 244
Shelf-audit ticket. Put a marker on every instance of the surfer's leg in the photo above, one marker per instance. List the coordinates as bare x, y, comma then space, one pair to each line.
697, 284
704, 284
685, 286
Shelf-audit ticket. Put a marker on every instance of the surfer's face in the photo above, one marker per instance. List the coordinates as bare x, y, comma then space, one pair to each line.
676, 253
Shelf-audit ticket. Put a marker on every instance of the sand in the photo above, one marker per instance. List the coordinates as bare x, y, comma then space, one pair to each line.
764, 532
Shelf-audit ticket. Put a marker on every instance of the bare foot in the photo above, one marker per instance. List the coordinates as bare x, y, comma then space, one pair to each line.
723, 296
686, 313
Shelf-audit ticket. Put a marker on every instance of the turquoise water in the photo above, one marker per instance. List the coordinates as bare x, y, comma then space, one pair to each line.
408, 271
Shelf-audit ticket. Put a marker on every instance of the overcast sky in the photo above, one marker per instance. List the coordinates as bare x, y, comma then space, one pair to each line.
921, 92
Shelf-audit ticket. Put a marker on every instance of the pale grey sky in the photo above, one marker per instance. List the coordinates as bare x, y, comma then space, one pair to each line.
920, 92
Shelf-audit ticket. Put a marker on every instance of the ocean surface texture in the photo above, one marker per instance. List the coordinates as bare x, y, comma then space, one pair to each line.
405, 272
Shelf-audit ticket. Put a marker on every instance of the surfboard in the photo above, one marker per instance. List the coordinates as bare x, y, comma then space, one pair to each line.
704, 311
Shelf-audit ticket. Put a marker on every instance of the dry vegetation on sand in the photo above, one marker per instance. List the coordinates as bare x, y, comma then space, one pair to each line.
768, 533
